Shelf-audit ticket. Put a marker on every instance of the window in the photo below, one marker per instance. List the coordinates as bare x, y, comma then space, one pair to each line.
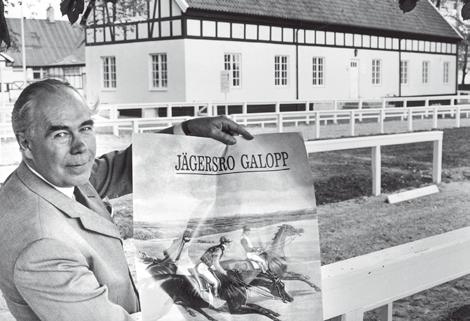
280, 70
159, 71
318, 71
404, 72
376, 71
425, 72
38, 73
232, 62
109, 72
446, 72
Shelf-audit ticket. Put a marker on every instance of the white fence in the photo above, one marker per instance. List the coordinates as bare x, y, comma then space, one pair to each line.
375, 143
279, 114
375, 280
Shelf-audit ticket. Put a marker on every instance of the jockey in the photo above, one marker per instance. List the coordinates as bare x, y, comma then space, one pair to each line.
210, 262
252, 253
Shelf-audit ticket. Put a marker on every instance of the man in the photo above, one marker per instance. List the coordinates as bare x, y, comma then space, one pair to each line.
62, 257
210, 262
252, 253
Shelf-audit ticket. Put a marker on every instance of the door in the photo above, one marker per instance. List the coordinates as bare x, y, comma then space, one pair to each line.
354, 79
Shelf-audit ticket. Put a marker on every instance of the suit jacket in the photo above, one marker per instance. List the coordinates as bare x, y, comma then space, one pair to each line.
61, 260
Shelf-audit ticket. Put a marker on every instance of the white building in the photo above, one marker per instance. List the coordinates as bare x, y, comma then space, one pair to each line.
53, 48
271, 51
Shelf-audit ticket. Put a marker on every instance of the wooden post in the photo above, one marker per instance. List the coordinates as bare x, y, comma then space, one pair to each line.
352, 122
410, 119
353, 316
113, 115
335, 108
434, 118
279, 123
278, 108
169, 111
437, 161
317, 124
135, 126
376, 170
360, 109
384, 313
245, 112
457, 117
382, 121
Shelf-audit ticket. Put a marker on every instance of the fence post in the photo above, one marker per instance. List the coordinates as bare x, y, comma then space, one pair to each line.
352, 122
434, 118
457, 117
277, 107
135, 126
410, 119
353, 316
360, 109
335, 108
279, 123
376, 174
113, 115
384, 313
382, 121
317, 124
437, 161
169, 111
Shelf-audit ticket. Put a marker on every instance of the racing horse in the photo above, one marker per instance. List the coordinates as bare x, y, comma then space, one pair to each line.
275, 258
232, 290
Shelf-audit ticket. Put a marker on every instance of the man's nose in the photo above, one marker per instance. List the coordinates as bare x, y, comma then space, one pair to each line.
78, 145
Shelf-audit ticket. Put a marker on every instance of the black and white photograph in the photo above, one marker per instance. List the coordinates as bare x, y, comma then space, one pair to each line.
319, 151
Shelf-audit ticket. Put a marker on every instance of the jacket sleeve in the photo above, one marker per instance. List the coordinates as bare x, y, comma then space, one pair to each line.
55, 281
111, 175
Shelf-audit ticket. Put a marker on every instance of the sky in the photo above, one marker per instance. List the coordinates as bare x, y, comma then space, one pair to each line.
34, 9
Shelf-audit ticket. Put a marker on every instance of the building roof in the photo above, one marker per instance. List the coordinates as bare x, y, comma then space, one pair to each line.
47, 43
383, 15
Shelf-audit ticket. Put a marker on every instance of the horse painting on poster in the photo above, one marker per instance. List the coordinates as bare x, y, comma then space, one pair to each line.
226, 232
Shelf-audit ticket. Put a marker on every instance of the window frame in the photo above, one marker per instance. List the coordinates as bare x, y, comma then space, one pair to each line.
318, 74
235, 75
281, 71
161, 72
404, 68
445, 71
376, 76
425, 75
111, 81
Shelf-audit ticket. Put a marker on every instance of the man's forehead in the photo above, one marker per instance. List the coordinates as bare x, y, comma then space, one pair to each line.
62, 107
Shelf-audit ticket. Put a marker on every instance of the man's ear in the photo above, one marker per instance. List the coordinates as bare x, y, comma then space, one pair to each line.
25, 148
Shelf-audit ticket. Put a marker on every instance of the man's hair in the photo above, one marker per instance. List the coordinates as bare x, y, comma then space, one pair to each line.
28, 99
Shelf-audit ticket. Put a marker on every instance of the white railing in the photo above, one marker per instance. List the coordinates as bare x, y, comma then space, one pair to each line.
375, 280
375, 143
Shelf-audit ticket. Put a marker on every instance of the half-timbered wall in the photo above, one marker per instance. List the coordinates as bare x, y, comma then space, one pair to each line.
197, 50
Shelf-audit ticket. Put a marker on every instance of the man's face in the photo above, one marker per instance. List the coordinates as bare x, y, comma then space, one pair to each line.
61, 142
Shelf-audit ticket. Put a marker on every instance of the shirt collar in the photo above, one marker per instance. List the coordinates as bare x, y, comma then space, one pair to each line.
68, 191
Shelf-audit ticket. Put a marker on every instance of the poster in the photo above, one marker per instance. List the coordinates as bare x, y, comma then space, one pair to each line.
225, 232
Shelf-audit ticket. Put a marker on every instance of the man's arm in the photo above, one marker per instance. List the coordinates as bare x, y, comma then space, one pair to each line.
217, 254
57, 284
112, 172
111, 175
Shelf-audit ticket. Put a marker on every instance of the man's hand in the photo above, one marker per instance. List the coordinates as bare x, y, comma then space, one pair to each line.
219, 128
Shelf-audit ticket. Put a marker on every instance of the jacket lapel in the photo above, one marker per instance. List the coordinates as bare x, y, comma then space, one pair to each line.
93, 218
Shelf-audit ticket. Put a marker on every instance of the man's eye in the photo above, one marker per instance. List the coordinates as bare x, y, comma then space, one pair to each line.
87, 129
61, 135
